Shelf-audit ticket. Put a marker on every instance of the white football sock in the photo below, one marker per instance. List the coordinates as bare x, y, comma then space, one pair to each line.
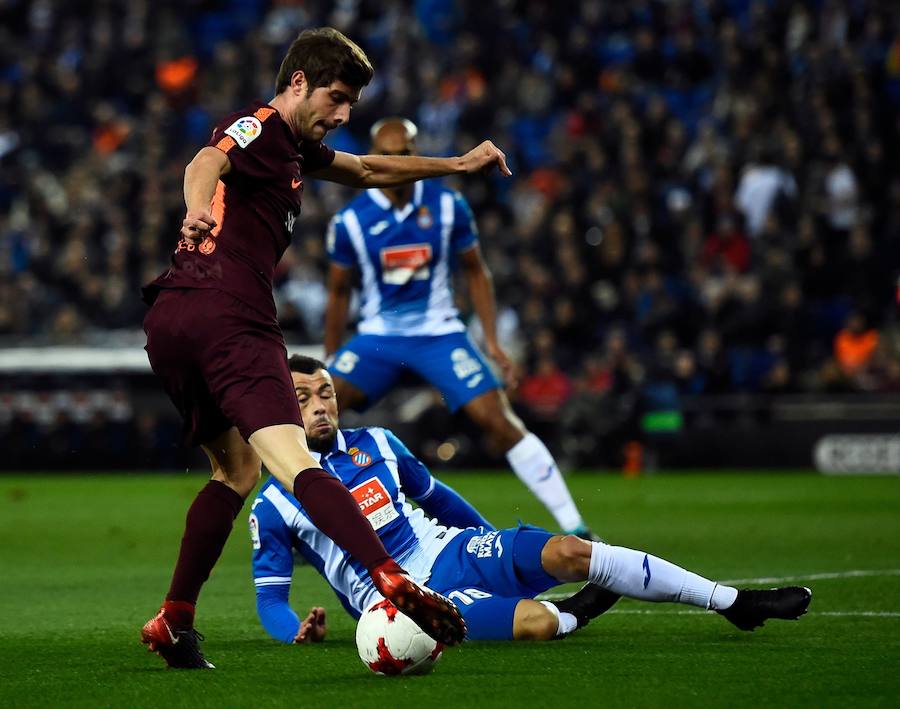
636, 574
534, 465
567, 621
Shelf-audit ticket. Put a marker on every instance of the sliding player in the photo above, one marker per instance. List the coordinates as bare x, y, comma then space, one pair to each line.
493, 575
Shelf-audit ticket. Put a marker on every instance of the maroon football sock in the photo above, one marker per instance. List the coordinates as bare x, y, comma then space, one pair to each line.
333, 510
206, 529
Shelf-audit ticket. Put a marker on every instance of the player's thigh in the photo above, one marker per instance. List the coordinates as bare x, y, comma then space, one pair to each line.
349, 396
246, 369
371, 364
284, 451
505, 562
172, 329
233, 461
488, 616
455, 367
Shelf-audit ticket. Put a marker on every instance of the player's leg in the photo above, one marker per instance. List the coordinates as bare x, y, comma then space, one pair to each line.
458, 369
640, 575
541, 620
235, 471
529, 458
366, 368
350, 396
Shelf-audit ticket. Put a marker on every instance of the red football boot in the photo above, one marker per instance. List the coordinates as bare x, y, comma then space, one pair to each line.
432, 612
179, 648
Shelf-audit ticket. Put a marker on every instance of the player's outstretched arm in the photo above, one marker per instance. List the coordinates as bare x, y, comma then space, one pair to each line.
391, 170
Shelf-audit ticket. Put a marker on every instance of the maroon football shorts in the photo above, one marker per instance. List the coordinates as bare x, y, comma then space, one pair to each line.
220, 363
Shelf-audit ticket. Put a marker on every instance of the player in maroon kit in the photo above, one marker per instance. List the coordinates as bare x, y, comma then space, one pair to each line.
214, 340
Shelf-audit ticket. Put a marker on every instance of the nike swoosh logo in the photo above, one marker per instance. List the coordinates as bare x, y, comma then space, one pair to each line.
296, 183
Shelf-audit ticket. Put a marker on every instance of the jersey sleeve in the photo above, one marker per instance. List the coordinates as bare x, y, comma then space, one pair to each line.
251, 142
337, 243
465, 231
439, 501
415, 478
316, 156
273, 566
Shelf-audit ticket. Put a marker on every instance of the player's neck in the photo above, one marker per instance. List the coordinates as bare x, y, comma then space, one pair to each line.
399, 197
279, 104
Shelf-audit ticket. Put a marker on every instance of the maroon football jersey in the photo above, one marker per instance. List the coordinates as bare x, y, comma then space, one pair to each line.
255, 205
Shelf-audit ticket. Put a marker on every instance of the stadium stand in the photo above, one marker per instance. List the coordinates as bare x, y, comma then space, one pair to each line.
705, 201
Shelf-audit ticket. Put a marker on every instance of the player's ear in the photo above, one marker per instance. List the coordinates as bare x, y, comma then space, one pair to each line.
298, 83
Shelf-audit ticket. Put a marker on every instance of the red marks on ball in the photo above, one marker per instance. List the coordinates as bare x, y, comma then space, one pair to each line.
390, 610
436, 653
387, 664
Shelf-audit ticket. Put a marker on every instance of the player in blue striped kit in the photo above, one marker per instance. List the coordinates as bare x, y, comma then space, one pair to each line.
406, 244
492, 575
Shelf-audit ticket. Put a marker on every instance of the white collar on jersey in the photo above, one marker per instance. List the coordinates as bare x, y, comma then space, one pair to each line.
380, 198
340, 444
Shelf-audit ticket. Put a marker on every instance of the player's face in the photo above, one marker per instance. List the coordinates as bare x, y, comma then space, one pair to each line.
318, 408
393, 139
326, 108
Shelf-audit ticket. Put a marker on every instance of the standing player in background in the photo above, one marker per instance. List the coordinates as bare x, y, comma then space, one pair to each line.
406, 241
214, 340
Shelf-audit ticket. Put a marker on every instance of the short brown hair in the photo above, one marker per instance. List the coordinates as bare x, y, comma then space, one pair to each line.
325, 55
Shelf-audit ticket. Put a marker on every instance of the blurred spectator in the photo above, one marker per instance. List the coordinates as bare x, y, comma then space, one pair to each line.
855, 345
716, 172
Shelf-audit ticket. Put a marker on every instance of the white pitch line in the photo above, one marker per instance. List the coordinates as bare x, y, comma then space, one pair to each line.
836, 614
817, 577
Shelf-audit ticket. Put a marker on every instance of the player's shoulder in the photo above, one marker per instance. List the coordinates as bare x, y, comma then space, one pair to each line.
359, 205
370, 436
248, 123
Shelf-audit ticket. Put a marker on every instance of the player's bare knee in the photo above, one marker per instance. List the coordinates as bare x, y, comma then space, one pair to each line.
567, 557
534, 621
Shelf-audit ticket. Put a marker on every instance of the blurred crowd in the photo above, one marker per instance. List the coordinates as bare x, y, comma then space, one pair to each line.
706, 195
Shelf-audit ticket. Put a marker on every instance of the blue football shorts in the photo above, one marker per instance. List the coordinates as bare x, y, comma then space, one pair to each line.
487, 573
450, 363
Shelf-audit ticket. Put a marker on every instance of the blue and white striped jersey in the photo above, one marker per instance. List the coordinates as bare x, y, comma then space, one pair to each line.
405, 257
380, 472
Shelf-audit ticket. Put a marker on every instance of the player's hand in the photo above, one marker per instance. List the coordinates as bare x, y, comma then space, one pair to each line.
197, 225
313, 628
496, 353
485, 157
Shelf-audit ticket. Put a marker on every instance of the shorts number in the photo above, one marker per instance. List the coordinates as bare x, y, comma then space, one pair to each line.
346, 363
469, 596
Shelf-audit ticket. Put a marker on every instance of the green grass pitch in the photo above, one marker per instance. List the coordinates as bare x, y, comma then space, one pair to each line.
85, 560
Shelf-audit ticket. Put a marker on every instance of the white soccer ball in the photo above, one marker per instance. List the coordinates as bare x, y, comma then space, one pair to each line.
389, 643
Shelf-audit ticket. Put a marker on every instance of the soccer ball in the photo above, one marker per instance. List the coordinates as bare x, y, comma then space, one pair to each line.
389, 643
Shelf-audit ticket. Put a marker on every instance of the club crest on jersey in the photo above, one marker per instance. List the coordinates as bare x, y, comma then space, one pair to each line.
424, 218
245, 130
360, 458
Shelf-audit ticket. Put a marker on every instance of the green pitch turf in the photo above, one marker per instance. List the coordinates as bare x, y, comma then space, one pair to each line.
85, 560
